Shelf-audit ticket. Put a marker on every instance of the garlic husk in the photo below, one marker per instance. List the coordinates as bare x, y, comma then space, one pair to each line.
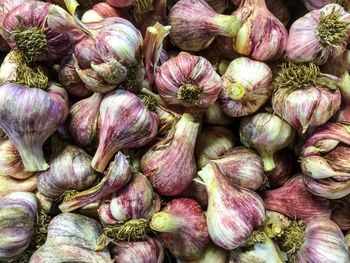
194, 25
261, 36
136, 200
120, 3
182, 227
197, 191
215, 116
69, 170
266, 133
48, 26
317, 4
214, 141
17, 219
170, 164
317, 240
29, 130
83, 118
149, 250
211, 254
124, 122
275, 224
10, 161
72, 237
320, 35
98, 12
283, 170
117, 176
265, 251
9, 184
233, 212
188, 81
246, 86
341, 213
248, 174
294, 200
338, 66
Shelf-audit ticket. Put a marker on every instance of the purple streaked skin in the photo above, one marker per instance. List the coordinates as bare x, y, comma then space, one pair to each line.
189, 237
294, 200
118, 175
32, 118
170, 164
233, 212
124, 122
149, 250
283, 170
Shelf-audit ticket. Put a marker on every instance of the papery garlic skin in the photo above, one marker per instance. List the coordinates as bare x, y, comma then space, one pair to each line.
211, 254
197, 191
72, 237
9, 184
69, 170
149, 250
246, 86
120, 3
10, 161
283, 170
17, 218
30, 119
124, 122
182, 227
83, 119
267, 134
306, 43
170, 164
262, 36
233, 212
194, 25
188, 81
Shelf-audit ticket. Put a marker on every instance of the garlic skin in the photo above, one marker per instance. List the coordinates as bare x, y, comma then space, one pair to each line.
304, 96
120, 3
8, 69
83, 119
116, 177
317, 4
182, 227
317, 240
295, 201
149, 250
262, 36
188, 81
233, 212
17, 219
214, 141
69, 170
341, 213
211, 254
9, 184
246, 86
124, 122
215, 116
136, 200
283, 170
197, 191
170, 164
194, 25
29, 130
267, 134
319, 35
248, 174
10, 161
72, 237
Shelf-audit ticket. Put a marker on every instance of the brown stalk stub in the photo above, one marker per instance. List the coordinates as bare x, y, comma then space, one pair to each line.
293, 237
189, 93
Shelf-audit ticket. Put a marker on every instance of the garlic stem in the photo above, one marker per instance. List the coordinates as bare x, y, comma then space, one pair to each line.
156, 97
32, 157
189, 93
164, 222
236, 91
226, 25
267, 158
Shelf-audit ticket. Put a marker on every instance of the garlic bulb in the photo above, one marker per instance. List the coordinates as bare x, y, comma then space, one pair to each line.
304, 96
197, 191
72, 237
149, 250
9, 185
233, 212
262, 36
69, 170
214, 141
29, 129
182, 227
194, 25
267, 134
17, 219
317, 240
124, 122
319, 35
211, 254
10, 161
188, 81
215, 116
246, 86
170, 164
317, 4
248, 174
